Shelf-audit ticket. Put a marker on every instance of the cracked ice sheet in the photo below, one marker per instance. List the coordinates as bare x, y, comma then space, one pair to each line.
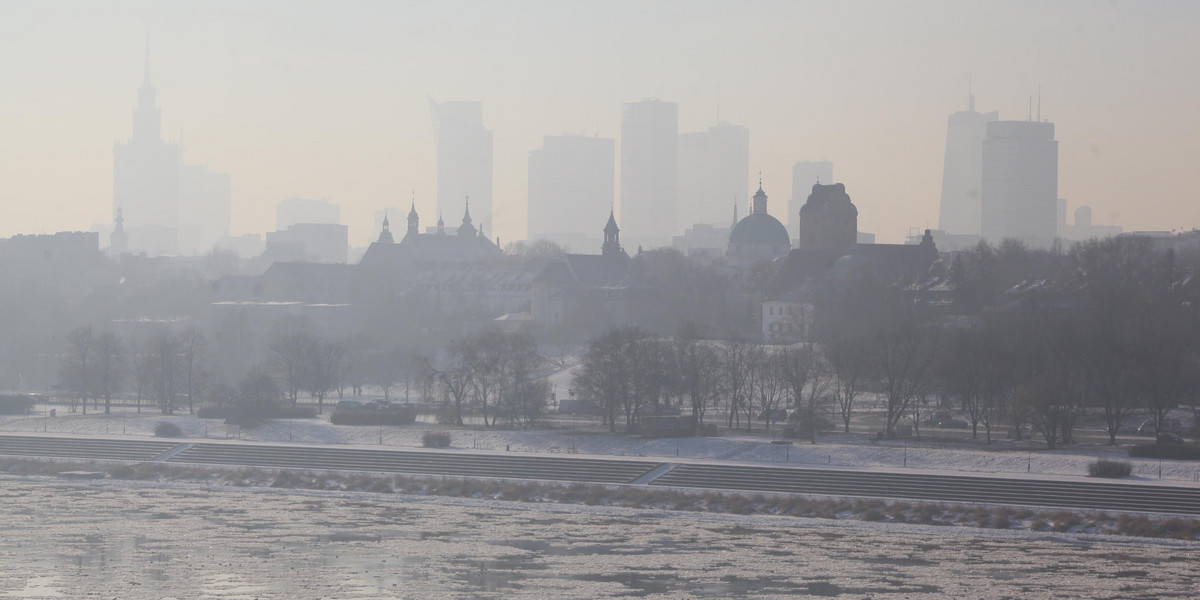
139, 541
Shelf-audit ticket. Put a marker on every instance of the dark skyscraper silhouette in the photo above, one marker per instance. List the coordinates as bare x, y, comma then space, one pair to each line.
649, 170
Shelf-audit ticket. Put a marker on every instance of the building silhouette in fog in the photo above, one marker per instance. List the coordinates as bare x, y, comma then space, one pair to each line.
464, 159
1020, 182
292, 211
167, 208
758, 236
205, 204
962, 171
571, 181
146, 178
714, 171
805, 174
649, 171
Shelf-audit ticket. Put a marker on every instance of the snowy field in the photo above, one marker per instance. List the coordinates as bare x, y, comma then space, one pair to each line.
833, 450
132, 541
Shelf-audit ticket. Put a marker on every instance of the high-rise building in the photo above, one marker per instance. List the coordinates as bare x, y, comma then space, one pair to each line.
649, 171
304, 210
714, 173
570, 188
464, 159
1020, 182
146, 178
805, 174
962, 170
204, 208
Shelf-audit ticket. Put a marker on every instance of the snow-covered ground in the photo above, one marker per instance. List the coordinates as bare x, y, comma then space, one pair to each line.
833, 450
110, 539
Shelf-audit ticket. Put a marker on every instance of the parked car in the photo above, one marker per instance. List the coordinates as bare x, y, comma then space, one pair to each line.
953, 424
1170, 439
777, 415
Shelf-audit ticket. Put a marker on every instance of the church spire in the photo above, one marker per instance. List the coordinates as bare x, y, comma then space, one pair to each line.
385, 236
612, 237
413, 219
467, 229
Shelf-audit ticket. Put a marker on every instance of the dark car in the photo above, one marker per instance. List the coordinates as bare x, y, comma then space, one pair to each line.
1170, 439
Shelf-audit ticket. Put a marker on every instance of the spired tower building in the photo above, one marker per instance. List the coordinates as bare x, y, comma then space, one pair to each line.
146, 178
759, 236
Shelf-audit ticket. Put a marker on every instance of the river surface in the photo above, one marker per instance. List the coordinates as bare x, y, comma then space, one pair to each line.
136, 541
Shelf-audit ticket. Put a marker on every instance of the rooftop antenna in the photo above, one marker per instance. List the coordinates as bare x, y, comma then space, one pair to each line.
1039, 114
970, 92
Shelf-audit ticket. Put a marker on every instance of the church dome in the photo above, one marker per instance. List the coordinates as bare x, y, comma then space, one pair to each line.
760, 228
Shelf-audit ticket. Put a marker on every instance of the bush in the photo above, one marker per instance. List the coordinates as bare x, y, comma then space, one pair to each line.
404, 415
435, 439
1113, 469
165, 429
1165, 451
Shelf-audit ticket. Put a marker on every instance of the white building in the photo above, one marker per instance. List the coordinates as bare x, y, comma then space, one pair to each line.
649, 171
1020, 182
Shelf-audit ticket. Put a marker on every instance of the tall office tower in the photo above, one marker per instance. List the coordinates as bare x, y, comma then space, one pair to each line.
570, 189
204, 208
1020, 182
714, 171
649, 171
464, 160
805, 174
304, 210
962, 170
146, 178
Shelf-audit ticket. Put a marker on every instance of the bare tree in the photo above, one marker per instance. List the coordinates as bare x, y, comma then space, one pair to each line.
809, 380
163, 369
291, 346
109, 367
192, 345
324, 370
699, 373
603, 374
737, 367
850, 358
76, 370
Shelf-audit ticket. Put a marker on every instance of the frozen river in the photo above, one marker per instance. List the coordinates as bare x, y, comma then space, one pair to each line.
130, 541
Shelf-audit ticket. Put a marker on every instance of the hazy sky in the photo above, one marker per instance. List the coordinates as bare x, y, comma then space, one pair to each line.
328, 99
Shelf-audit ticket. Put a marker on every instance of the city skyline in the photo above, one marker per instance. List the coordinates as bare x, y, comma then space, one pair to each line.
244, 104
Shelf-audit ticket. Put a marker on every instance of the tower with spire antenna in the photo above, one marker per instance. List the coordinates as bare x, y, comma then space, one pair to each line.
962, 171
612, 237
146, 176
118, 240
385, 236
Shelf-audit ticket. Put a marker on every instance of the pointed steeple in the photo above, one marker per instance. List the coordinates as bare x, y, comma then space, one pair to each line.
413, 219
760, 199
385, 236
441, 225
467, 229
118, 241
612, 237
735, 219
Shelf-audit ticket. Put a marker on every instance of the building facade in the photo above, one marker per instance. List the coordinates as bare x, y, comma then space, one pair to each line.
962, 171
464, 159
714, 172
805, 174
649, 171
1020, 182
571, 184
